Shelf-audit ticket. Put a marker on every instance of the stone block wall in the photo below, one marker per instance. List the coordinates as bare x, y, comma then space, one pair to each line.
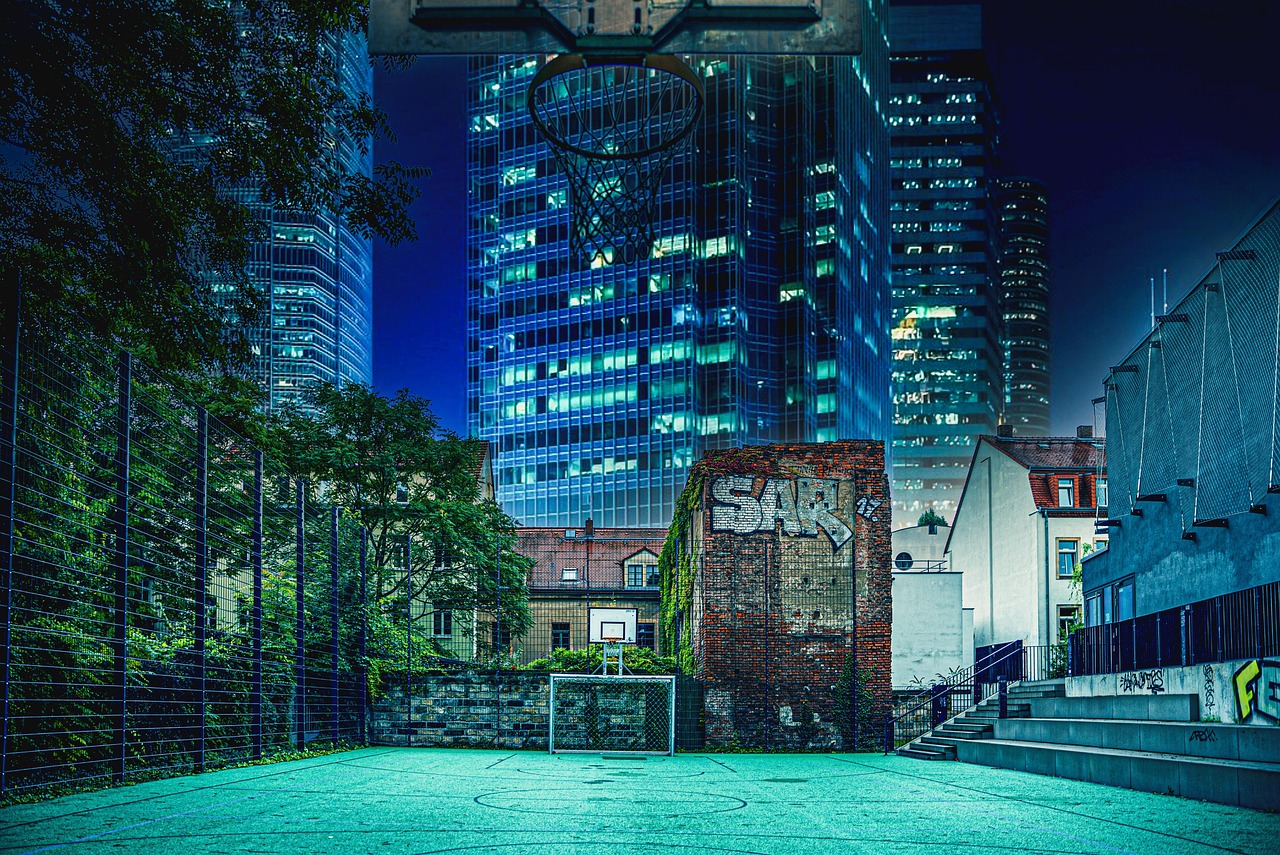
792, 578
470, 709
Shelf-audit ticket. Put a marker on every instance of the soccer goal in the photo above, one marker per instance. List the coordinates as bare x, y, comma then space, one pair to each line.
632, 714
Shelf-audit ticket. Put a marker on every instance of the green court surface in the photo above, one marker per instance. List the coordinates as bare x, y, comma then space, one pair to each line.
395, 800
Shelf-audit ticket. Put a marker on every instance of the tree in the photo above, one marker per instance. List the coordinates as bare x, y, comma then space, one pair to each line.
931, 517
388, 462
100, 209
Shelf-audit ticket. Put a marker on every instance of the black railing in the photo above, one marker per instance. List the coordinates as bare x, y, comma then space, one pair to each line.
918, 714
1241, 625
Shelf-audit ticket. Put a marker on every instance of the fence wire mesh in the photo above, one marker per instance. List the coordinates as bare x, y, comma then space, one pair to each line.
171, 602
1192, 413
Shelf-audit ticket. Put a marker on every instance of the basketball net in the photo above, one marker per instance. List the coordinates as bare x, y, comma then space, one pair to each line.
614, 125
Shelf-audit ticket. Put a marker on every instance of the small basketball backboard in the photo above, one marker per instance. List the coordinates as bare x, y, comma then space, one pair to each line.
610, 625
794, 27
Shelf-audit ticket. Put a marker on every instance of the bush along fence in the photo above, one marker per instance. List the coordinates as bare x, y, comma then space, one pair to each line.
171, 600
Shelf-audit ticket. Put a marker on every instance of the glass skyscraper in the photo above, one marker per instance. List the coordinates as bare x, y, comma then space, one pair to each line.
1024, 285
948, 374
314, 273
761, 316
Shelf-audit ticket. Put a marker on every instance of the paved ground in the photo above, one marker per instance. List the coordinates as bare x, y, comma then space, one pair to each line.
394, 801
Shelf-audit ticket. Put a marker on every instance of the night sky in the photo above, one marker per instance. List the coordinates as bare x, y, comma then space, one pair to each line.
1155, 125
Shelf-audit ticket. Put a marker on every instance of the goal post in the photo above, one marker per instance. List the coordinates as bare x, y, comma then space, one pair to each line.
632, 714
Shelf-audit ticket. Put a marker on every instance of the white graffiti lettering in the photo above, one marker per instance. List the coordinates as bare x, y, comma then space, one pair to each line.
802, 507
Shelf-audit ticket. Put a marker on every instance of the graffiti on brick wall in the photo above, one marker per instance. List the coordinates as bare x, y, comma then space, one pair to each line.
1257, 690
1143, 681
802, 505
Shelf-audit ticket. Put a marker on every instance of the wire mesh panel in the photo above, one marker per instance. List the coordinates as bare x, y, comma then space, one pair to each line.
632, 714
152, 619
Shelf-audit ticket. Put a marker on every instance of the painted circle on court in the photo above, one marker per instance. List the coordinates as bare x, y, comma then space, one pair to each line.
602, 801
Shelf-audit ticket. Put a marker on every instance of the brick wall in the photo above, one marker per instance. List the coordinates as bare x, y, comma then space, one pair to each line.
774, 614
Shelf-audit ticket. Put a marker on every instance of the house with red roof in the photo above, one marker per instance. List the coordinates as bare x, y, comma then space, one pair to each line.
577, 569
1025, 518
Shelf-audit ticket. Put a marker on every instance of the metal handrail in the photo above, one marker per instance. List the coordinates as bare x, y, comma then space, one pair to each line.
917, 702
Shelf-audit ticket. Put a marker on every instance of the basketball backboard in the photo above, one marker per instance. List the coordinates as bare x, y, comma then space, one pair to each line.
793, 27
612, 625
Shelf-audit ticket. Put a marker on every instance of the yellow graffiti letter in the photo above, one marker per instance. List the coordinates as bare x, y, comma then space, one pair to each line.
1243, 680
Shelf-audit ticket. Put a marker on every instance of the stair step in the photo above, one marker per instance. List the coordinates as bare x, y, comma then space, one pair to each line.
950, 732
921, 754
1241, 782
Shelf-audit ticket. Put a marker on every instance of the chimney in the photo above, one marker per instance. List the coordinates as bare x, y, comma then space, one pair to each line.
1005, 431
1084, 432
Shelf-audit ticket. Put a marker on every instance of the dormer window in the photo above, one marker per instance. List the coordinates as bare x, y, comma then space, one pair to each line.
1066, 493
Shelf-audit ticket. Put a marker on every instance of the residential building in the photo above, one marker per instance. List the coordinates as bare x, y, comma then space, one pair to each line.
1025, 518
1193, 444
948, 356
314, 272
760, 316
1024, 302
932, 630
578, 569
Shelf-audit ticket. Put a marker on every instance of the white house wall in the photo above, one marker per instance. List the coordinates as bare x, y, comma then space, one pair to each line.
928, 627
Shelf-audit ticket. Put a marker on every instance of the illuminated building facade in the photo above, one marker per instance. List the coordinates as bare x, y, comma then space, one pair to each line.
1024, 286
761, 316
948, 384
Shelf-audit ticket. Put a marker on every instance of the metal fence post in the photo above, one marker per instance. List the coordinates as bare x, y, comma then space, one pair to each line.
334, 513
408, 635
300, 618
938, 704
256, 557
120, 559
8, 504
202, 574
1002, 684
497, 665
888, 733
361, 668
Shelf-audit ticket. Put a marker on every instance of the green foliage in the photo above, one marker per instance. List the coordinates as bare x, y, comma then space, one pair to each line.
638, 660
855, 706
401, 476
129, 133
931, 517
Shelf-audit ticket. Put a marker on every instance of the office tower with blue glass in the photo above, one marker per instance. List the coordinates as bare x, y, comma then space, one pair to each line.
948, 351
312, 271
761, 315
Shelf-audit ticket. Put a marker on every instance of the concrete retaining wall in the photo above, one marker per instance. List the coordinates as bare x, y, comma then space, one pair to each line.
1244, 691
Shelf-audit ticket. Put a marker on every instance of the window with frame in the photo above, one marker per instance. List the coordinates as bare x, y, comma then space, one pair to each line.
442, 623
1068, 616
559, 636
1066, 493
1068, 555
1124, 603
1101, 490
642, 575
645, 636
501, 638
569, 574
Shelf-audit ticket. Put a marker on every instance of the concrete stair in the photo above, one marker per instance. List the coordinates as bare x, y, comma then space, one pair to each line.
1153, 743
978, 722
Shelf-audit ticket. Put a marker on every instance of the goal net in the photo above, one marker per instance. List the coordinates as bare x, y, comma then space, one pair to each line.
627, 714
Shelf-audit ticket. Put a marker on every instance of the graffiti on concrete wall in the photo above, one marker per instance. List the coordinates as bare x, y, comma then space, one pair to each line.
802, 505
1143, 681
1257, 690
1209, 698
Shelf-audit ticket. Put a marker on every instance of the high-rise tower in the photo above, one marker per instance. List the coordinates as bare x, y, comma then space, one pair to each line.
1024, 298
314, 273
761, 315
947, 345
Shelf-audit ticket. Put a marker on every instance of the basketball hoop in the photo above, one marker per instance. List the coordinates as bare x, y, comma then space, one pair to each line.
614, 124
